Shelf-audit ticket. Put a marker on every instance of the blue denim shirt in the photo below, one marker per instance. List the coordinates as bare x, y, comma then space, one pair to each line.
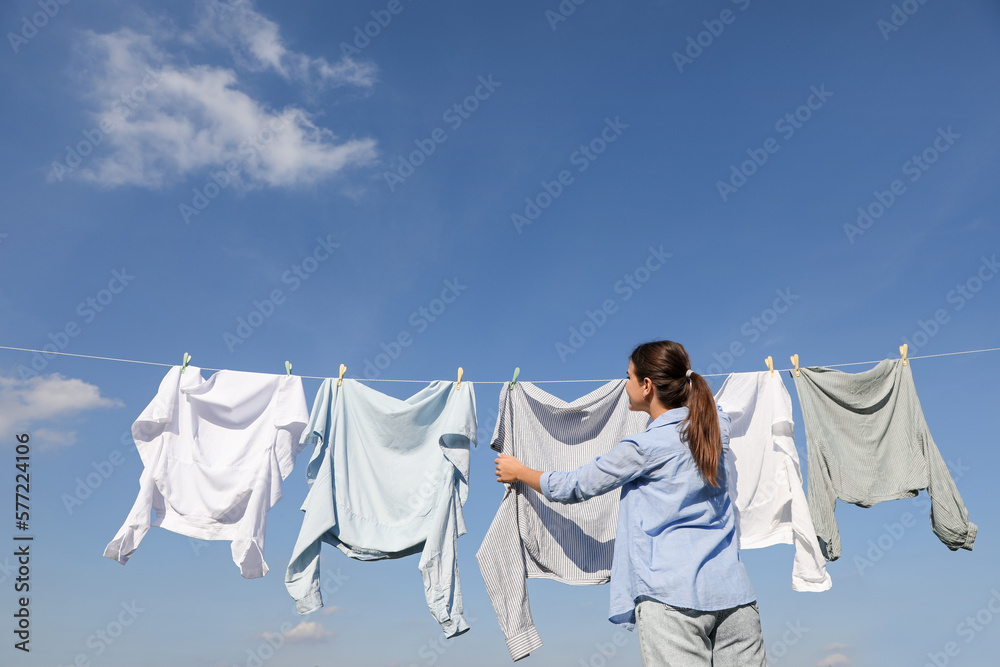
676, 540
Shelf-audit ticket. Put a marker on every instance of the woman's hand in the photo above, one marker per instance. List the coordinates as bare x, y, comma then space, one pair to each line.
510, 470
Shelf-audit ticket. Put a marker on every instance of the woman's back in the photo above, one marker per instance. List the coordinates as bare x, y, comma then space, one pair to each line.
676, 540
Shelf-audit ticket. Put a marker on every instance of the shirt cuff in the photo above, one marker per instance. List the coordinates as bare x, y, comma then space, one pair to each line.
971, 536
543, 483
455, 626
806, 586
309, 603
522, 644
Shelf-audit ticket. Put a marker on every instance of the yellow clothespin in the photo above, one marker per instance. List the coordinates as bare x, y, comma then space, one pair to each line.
770, 365
184, 361
340, 378
460, 372
795, 362
902, 352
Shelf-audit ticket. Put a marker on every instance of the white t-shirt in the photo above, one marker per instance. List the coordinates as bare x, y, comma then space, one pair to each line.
214, 454
766, 485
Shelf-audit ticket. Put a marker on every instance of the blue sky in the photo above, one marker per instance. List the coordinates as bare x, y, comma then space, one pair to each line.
255, 183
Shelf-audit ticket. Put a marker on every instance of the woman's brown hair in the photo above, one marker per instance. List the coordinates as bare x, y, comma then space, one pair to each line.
666, 363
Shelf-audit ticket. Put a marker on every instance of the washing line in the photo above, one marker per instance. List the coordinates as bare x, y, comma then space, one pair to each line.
314, 377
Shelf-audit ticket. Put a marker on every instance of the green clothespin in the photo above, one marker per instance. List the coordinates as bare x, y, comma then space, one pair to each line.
517, 371
288, 367
185, 359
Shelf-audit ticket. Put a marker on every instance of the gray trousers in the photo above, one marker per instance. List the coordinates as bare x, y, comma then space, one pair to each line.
671, 636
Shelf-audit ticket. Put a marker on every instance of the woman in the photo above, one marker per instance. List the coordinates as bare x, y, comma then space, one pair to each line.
676, 572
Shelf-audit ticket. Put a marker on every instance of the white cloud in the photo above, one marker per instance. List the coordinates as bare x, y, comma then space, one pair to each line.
47, 438
167, 119
307, 631
327, 611
833, 660
256, 42
45, 398
837, 647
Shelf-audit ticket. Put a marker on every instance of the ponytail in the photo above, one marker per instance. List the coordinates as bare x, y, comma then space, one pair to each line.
702, 428
667, 364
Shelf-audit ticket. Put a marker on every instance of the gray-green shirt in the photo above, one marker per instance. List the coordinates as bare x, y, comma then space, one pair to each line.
867, 442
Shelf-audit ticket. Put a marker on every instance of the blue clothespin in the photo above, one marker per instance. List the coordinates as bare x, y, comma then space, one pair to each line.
184, 363
517, 371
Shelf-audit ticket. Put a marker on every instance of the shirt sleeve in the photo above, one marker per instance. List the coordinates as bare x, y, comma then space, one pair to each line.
619, 466
501, 562
147, 432
809, 567
439, 567
949, 518
822, 499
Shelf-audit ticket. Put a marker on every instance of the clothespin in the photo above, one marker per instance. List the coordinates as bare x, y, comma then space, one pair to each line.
795, 362
340, 378
517, 371
902, 352
184, 361
288, 368
770, 365
460, 372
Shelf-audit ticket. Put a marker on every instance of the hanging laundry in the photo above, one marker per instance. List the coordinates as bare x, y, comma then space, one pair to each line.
214, 454
765, 481
533, 537
387, 479
867, 443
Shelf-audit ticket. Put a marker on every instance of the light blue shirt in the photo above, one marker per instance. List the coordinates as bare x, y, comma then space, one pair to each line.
676, 540
387, 479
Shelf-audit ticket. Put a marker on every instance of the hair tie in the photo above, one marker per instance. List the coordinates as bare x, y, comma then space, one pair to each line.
688, 374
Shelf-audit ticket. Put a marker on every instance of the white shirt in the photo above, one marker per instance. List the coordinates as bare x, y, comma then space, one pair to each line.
766, 481
214, 454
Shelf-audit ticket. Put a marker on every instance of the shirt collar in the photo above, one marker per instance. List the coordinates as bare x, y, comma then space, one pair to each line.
674, 416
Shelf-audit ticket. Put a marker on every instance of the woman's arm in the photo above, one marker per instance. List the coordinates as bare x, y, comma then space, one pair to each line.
509, 469
619, 466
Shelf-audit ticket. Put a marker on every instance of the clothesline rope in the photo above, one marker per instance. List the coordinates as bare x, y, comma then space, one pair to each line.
315, 377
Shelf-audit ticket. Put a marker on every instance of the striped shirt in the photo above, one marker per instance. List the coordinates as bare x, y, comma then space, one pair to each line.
868, 442
532, 536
